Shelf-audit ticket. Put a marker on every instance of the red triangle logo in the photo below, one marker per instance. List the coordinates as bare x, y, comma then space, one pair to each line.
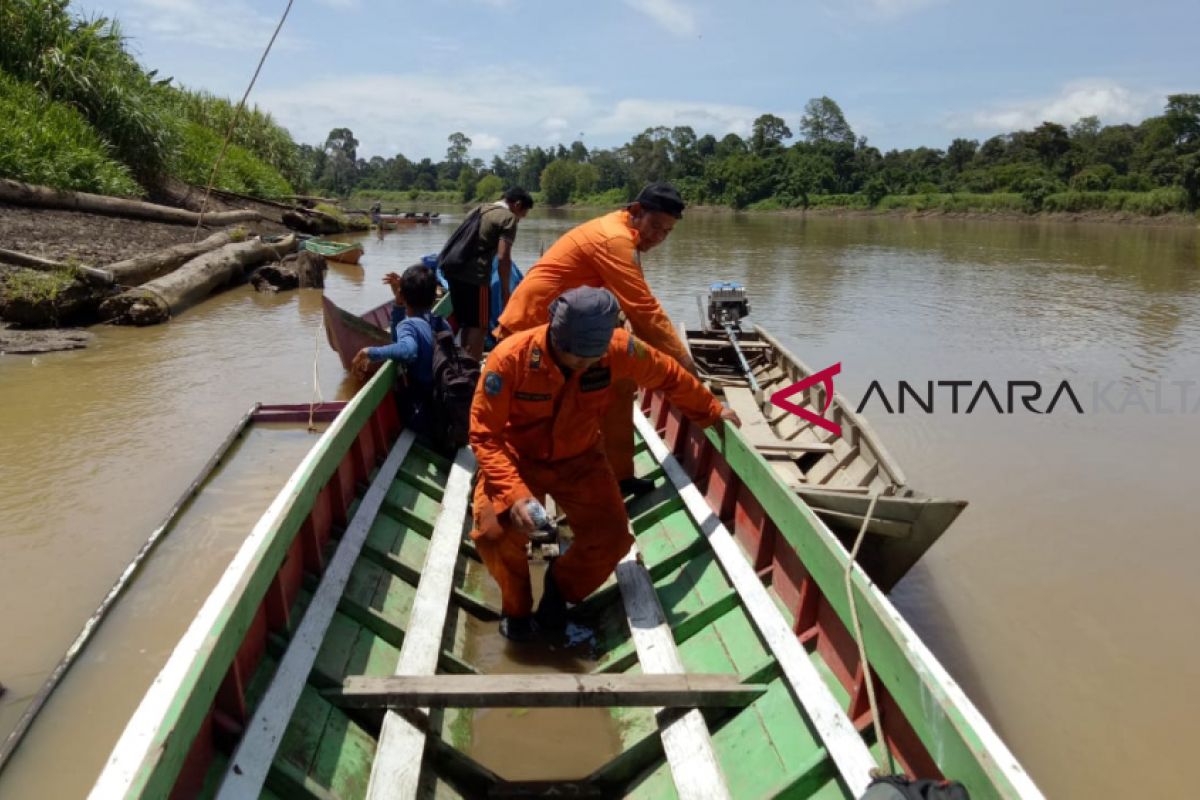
825, 377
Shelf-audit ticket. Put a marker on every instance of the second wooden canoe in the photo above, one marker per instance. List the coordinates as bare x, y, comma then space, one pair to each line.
836, 475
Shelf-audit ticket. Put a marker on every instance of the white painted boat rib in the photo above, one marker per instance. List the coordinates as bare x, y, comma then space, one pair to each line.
247, 770
685, 738
396, 771
144, 733
847, 749
924, 662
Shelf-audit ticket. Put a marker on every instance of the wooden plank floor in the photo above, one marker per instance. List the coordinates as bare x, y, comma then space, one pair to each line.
766, 749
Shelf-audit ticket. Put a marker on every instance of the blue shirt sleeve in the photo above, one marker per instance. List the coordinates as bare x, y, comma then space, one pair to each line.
404, 349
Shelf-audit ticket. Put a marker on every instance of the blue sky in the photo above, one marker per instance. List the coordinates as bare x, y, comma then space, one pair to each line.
403, 76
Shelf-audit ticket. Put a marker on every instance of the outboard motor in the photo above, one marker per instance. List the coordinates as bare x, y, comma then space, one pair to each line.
727, 304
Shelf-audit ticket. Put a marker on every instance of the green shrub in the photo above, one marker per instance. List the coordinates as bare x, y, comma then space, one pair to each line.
240, 171
84, 64
489, 188
47, 143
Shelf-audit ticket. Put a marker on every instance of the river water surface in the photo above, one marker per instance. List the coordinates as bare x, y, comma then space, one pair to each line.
1063, 600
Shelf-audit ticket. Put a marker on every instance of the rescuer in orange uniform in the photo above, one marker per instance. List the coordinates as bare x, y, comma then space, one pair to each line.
535, 430
606, 252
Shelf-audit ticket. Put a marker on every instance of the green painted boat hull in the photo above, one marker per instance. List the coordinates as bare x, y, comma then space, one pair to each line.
179, 743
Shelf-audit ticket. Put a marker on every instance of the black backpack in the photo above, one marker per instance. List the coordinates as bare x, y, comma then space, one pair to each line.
455, 375
897, 787
462, 246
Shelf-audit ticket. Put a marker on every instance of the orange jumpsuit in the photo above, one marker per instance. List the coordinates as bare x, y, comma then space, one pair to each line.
536, 431
603, 253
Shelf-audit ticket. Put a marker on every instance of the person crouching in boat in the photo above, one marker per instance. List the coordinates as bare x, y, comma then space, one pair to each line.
414, 326
535, 430
607, 252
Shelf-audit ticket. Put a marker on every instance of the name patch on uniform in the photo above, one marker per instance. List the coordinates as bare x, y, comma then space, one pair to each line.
493, 383
531, 396
595, 379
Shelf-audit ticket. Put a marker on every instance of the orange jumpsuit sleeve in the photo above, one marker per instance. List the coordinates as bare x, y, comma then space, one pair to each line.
617, 264
489, 414
654, 370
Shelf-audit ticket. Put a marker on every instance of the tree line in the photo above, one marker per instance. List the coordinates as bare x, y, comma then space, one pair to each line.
774, 168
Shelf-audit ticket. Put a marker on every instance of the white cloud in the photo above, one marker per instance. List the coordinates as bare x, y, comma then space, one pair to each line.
219, 24
414, 113
485, 143
628, 117
1106, 99
890, 9
674, 17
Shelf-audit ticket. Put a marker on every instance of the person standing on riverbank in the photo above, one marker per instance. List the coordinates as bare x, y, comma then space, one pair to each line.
607, 252
468, 270
535, 430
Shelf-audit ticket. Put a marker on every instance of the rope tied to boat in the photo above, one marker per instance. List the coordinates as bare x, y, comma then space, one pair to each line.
886, 768
237, 115
318, 398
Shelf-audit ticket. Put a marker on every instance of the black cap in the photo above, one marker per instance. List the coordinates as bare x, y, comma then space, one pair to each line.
661, 197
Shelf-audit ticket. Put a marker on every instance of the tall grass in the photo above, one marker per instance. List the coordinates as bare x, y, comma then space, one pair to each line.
51, 144
1152, 203
257, 131
240, 172
84, 64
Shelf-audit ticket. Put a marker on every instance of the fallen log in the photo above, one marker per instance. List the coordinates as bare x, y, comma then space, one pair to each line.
139, 269
25, 194
100, 277
155, 302
314, 222
303, 270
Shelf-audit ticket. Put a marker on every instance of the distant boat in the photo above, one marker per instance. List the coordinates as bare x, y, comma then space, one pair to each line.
349, 252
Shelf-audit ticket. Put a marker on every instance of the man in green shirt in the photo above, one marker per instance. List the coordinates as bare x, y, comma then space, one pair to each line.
470, 281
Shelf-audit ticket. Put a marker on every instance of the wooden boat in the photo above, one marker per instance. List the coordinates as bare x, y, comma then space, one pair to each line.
262, 425
349, 252
836, 475
331, 659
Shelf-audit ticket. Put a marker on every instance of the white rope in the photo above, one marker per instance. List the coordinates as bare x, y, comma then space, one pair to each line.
237, 115
319, 398
858, 639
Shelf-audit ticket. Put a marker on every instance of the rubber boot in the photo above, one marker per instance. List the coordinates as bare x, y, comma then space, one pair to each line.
551, 614
518, 629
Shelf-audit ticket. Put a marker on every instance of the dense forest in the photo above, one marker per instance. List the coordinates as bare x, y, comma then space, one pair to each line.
78, 112
1152, 167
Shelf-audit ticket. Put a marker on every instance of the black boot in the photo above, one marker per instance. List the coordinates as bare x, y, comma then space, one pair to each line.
635, 486
517, 629
551, 614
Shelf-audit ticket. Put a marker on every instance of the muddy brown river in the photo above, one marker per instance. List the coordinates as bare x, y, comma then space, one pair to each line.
1063, 600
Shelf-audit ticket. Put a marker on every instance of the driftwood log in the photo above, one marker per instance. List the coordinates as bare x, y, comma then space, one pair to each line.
148, 266
155, 302
303, 270
311, 221
25, 194
99, 277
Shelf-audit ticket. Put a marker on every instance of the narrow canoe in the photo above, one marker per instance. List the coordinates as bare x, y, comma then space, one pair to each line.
836, 475
360, 571
350, 252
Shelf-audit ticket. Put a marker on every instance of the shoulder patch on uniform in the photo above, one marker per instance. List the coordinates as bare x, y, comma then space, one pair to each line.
636, 348
493, 383
535, 358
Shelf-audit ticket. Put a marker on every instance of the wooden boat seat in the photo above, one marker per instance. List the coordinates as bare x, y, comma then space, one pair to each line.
759, 432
